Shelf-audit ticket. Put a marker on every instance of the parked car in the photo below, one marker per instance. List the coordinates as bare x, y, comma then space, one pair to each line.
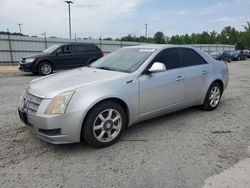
222, 56
238, 55
62, 56
96, 103
247, 52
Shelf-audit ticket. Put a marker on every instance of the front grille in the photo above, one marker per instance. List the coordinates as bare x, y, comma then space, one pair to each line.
31, 103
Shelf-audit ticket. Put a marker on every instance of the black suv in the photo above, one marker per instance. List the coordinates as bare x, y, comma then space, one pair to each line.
238, 55
222, 56
63, 56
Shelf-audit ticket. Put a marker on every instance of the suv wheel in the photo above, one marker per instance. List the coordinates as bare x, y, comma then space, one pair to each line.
104, 124
45, 68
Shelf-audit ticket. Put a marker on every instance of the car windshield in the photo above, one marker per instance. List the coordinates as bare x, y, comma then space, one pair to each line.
216, 53
234, 52
124, 60
51, 49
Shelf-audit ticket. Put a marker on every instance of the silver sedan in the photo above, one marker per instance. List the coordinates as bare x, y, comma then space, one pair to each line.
96, 103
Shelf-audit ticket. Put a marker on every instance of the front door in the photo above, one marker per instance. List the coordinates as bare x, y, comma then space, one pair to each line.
164, 90
64, 58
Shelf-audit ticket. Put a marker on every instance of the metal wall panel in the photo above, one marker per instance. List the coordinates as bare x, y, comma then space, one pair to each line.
22, 46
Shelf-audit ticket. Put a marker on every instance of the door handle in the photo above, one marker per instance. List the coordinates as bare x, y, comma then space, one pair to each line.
179, 78
204, 72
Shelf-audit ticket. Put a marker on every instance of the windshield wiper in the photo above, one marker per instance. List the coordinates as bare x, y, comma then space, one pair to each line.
105, 68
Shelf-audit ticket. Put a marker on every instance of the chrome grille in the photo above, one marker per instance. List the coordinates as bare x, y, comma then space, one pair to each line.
30, 103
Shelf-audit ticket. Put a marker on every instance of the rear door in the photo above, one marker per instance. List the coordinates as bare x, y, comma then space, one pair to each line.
195, 72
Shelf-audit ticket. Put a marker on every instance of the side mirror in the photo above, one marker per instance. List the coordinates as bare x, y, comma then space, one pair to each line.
157, 67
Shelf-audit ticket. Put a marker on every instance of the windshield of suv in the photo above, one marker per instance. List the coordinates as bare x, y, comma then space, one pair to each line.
216, 53
51, 49
234, 53
124, 60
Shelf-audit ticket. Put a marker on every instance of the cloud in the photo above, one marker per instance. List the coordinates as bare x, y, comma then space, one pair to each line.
221, 19
88, 17
212, 9
246, 2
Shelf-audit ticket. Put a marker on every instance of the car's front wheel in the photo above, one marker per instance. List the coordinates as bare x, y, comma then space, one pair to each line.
213, 97
45, 68
104, 124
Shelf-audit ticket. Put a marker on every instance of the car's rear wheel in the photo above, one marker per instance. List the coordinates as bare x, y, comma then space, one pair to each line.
213, 97
104, 124
45, 68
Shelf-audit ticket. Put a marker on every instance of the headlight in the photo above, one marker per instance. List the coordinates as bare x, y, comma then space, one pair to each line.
29, 60
59, 104
22, 98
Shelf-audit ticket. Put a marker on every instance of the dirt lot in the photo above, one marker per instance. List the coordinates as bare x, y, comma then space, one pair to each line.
177, 150
8, 68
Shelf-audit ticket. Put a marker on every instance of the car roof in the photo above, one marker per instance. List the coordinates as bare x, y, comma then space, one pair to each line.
78, 44
160, 46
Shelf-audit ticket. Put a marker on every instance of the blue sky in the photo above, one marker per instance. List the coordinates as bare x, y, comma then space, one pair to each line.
115, 18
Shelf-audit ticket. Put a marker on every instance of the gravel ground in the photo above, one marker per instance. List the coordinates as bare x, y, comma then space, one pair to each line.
182, 149
8, 68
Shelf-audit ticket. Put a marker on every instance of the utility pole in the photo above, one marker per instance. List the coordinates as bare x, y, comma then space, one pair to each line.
20, 29
10, 47
45, 39
146, 30
69, 2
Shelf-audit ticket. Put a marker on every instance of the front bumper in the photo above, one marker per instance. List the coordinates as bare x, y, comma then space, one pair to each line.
26, 67
55, 129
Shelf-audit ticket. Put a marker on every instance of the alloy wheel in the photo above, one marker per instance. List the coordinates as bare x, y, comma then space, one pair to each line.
46, 69
107, 125
214, 96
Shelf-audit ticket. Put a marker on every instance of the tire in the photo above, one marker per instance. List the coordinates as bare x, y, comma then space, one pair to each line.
45, 68
91, 61
99, 126
229, 60
238, 59
208, 104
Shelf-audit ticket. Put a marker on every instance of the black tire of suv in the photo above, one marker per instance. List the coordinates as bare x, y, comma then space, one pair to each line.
87, 129
41, 72
91, 60
206, 105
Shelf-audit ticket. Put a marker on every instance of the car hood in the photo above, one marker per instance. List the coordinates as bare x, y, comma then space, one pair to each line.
52, 85
35, 55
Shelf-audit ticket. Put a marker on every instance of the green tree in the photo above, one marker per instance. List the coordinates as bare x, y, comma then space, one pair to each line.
159, 38
245, 36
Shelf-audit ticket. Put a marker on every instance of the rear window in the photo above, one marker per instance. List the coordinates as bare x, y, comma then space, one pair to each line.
92, 48
191, 58
88, 48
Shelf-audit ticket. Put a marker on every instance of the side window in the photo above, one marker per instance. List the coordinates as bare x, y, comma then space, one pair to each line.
191, 58
67, 49
79, 48
170, 57
92, 48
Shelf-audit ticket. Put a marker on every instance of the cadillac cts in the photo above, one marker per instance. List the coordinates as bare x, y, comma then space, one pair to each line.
96, 103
